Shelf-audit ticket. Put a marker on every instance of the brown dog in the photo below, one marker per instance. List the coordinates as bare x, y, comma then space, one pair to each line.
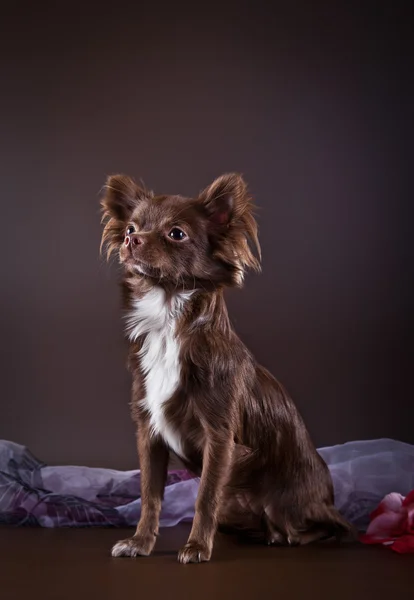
196, 388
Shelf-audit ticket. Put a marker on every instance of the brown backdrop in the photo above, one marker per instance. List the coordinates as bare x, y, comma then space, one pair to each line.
313, 105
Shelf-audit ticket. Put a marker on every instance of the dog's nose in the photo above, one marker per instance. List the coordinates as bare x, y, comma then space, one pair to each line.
136, 240
133, 239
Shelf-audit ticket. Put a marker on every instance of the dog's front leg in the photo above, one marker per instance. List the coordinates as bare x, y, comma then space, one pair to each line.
153, 458
217, 458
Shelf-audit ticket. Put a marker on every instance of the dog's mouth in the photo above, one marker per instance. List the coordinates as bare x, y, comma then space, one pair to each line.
142, 268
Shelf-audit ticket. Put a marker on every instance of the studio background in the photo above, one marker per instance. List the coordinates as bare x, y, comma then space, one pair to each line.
314, 105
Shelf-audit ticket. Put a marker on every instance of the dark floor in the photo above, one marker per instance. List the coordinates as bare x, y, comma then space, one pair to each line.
75, 563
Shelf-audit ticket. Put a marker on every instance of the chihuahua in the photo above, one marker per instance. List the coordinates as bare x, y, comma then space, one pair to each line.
196, 389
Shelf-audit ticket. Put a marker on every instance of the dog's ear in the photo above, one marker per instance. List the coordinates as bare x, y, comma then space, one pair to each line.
229, 210
223, 197
121, 195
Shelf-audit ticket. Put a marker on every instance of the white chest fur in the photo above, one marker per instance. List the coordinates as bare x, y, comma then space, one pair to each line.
159, 356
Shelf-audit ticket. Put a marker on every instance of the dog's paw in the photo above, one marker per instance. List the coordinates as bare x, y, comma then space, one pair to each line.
194, 552
274, 538
134, 546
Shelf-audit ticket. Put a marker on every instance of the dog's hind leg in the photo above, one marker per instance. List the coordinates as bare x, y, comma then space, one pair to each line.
237, 517
274, 537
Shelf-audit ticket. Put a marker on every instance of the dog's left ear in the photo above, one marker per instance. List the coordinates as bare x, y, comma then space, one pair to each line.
229, 209
222, 199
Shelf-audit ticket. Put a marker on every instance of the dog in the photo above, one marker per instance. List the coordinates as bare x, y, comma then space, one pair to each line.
196, 389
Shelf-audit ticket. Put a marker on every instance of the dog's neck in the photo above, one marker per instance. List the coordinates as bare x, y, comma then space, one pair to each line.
154, 311
155, 308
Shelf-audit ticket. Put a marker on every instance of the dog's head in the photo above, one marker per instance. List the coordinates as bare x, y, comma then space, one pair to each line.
182, 242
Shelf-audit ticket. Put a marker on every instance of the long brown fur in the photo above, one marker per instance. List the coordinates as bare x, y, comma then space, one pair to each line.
260, 472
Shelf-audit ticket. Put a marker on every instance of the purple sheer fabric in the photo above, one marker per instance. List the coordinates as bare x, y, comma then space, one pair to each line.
32, 493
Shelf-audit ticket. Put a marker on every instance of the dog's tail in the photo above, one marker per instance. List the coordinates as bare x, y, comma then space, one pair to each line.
331, 521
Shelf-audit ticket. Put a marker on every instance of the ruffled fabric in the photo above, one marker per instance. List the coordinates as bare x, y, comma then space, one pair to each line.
33, 493
392, 523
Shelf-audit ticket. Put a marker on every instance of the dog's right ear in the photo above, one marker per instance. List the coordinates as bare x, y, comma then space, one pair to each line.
121, 196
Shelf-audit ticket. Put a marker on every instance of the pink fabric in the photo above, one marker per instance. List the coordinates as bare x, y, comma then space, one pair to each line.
392, 524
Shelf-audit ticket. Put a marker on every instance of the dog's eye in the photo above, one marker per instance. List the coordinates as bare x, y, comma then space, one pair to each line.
177, 234
130, 229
